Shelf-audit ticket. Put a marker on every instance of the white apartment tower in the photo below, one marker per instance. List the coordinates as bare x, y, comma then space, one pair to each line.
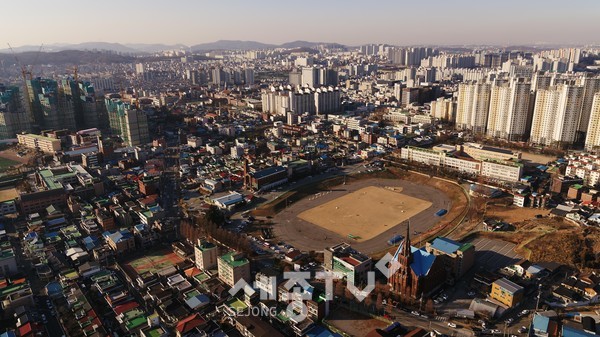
473, 106
592, 140
556, 115
509, 109
310, 76
591, 86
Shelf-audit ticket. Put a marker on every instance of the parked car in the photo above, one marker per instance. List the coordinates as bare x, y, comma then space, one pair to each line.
452, 325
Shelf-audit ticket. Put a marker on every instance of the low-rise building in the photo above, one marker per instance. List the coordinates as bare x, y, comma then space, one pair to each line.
44, 144
353, 265
121, 241
8, 262
506, 292
447, 157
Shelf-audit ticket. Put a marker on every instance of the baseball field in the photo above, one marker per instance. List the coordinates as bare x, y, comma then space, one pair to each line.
365, 213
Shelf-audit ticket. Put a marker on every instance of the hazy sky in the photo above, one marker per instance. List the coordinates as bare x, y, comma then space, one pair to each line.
349, 22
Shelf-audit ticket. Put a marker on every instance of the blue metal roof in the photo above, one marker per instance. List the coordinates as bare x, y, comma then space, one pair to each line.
268, 171
321, 331
540, 323
445, 245
422, 261
568, 331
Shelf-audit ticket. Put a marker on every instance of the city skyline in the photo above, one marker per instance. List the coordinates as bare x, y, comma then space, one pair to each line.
462, 23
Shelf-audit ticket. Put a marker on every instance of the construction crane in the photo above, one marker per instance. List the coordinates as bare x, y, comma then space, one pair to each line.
75, 70
24, 70
35, 60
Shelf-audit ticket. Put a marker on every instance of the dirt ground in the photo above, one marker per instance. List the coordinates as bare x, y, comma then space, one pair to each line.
554, 239
537, 158
8, 194
354, 323
365, 213
12, 155
514, 214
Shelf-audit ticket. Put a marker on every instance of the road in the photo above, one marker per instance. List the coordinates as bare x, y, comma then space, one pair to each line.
429, 324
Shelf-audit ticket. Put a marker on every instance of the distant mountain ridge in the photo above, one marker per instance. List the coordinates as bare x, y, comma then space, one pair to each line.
144, 48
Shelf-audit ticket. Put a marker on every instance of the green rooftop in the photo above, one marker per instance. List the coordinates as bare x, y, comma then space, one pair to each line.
136, 322
201, 277
236, 305
206, 246
156, 332
12, 289
465, 247
234, 259
191, 294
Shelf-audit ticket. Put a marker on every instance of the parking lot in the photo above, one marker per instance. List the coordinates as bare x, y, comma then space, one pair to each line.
493, 254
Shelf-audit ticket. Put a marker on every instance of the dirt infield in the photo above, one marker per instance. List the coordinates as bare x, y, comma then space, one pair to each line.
305, 235
8, 194
365, 213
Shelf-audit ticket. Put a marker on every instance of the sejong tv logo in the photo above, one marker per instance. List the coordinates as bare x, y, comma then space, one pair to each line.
299, 290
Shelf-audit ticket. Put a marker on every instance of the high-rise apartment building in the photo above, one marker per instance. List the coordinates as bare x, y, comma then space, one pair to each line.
233, 267
88, 111
310, 76
13, 115
556, 115
301, 100
295, 78
50, 106
591, 86
509, 109
444, 109
472, 106
592, 140
129, 123
205, 254
249, 76
327, 100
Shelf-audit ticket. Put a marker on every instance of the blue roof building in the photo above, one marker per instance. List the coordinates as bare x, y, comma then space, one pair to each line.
457, 257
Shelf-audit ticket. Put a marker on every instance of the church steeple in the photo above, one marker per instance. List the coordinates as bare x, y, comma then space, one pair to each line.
406, 245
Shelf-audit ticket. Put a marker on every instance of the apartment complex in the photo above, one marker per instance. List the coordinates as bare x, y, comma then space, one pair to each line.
301, 100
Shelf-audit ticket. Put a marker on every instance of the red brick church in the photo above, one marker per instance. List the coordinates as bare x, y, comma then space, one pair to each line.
420, 272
